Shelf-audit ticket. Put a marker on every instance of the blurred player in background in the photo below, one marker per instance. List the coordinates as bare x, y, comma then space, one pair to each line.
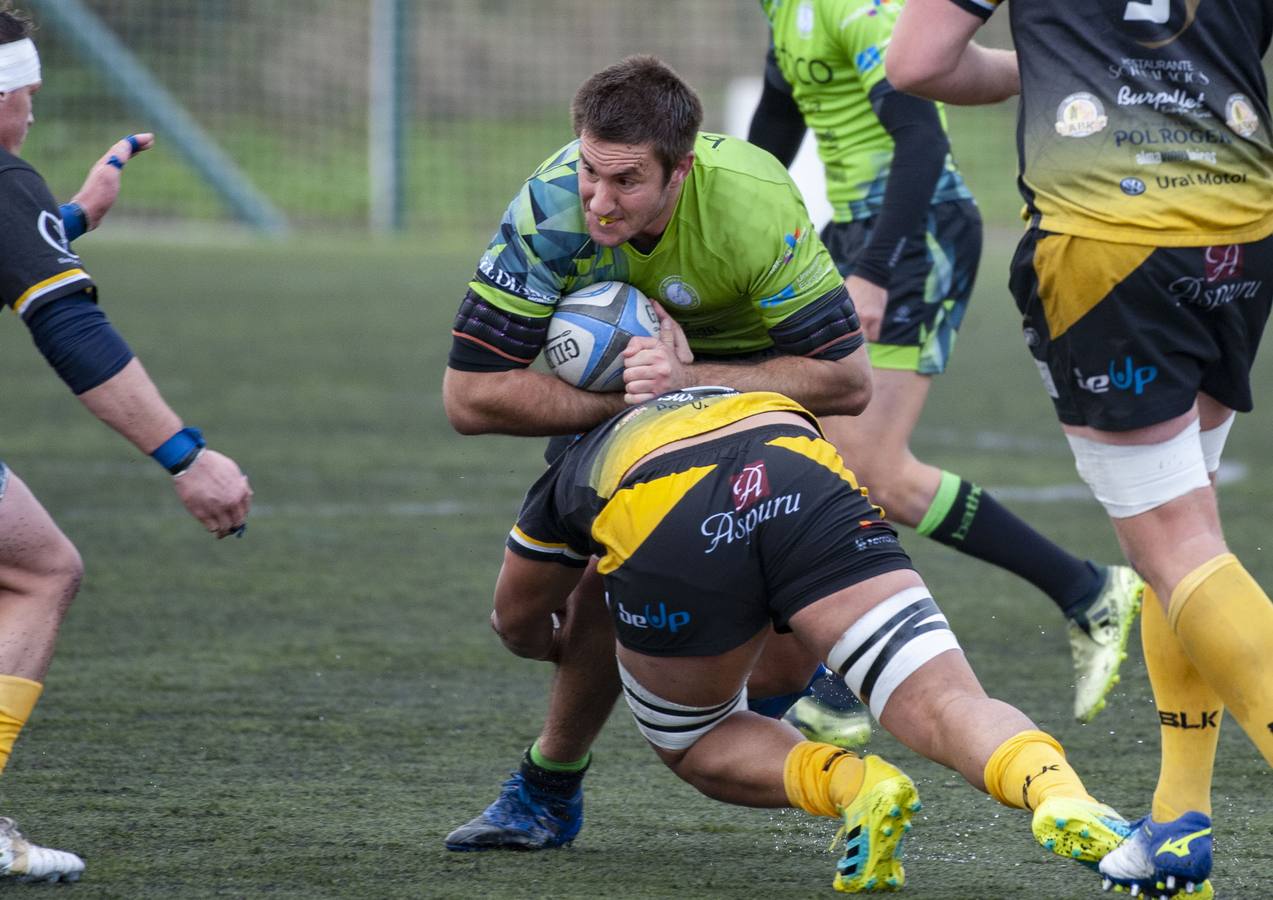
1144, 280
692, 612
44, 282
714, 230
906, 234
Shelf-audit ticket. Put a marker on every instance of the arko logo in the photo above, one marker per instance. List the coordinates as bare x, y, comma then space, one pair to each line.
659, 619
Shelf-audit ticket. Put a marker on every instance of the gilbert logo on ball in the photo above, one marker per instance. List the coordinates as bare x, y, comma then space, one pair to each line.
590, 329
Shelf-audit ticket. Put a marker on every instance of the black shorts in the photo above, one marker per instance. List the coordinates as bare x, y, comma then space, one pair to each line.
930, 287
772, 523
1126, 336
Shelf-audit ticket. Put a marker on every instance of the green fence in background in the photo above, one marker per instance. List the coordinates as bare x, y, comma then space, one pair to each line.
284, 87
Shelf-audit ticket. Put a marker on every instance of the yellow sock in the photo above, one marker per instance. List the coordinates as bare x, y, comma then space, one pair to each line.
1028, 768
1189, 713
17, 699
1224, 620
822, 779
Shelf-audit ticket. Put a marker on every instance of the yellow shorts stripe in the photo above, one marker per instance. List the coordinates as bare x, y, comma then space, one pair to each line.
820, 451
1076, 273
634, 512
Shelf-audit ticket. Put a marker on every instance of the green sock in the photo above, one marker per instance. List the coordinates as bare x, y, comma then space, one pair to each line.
551, 765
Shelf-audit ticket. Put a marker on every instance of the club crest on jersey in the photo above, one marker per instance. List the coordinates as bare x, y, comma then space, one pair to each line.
1080, 115
54, 233
1240, 115
677, 292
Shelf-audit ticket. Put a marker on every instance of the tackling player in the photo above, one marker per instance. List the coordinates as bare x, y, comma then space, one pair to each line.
806, 553
906, 234
1144, 280
45, 283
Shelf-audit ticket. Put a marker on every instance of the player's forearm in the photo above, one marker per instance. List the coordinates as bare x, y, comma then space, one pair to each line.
824, 387
130, 403
522, 402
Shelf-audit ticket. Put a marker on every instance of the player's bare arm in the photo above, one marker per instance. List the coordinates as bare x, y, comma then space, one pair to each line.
933, 55
212, 488
527, 597
522, 402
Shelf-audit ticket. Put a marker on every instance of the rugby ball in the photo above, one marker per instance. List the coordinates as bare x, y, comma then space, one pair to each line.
590, 329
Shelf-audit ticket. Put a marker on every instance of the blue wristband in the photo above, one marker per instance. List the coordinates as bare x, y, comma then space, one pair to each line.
74, 221
180, 451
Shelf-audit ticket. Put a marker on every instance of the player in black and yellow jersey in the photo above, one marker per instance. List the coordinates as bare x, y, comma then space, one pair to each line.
906, 235
1144, 280
719, 517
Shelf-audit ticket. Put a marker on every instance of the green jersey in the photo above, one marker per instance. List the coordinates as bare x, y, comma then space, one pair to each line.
831, 54
738, 259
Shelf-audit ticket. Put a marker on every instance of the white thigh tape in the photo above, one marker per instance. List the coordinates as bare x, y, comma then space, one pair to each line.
670, 725
885, 647
1213, 440
1129, 479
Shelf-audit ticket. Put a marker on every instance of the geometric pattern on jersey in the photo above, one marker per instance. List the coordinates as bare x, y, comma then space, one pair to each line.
727, 274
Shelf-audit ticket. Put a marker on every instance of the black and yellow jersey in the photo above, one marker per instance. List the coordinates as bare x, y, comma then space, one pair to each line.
1144, 121
569, 497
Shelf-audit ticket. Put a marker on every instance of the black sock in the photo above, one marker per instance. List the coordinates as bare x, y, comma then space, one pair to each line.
562, 784
967, 518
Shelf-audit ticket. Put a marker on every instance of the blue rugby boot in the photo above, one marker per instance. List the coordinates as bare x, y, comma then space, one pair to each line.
536, 810
1163, 859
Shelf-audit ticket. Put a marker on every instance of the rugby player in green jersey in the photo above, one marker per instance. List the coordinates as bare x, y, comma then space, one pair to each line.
42, 279
714, 230
1144, 280
906, 234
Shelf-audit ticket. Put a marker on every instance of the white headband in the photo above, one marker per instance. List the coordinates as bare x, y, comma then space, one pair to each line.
19, 65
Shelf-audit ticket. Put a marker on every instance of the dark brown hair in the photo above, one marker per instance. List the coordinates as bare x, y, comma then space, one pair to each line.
640, 100
14, 26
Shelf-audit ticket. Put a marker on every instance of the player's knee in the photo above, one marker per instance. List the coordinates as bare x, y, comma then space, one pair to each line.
56, 572
888, 644
1131, 479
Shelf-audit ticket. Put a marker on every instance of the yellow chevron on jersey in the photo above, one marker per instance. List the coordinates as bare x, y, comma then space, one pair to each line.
649, 427
634, 512
1076, 273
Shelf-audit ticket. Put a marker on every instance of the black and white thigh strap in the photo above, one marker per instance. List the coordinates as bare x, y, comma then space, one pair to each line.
888, 644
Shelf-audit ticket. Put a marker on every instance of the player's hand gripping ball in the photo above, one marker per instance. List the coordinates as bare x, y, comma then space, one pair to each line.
591, 328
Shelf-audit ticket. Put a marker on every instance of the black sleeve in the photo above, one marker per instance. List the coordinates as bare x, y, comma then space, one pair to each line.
777, 125
37, 264
919, 152
485, 338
